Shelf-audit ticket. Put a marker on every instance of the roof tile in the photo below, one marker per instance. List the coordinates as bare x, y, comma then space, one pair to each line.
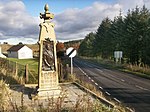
16, 47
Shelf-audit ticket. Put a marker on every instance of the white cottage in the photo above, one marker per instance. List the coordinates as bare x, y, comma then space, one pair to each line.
20, 51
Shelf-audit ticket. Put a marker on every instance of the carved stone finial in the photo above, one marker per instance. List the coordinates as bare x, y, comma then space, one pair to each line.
46, 8
47, 15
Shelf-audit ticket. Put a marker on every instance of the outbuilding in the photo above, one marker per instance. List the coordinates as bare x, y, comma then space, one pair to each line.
20, 51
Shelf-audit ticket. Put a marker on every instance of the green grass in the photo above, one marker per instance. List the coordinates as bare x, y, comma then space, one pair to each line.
32, 63
32, 68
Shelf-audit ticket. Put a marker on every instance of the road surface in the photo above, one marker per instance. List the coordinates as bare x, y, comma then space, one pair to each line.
129, 89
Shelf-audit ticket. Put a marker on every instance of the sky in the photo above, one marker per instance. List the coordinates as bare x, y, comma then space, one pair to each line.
74, 19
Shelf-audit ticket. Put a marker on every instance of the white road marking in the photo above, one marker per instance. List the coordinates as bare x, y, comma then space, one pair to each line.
116, 100
122, 80
98, 69
107, 93
96, 84
92, 80
81, 70
100, 87
130, 109
140, 87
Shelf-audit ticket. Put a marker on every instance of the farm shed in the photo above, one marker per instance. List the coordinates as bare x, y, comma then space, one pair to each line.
20, 51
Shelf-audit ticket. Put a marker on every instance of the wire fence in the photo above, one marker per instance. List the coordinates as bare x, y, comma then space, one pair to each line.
20, 73
16, 73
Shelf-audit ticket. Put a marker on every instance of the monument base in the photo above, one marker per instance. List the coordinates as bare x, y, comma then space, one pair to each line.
48, 86
53, 92
47, 93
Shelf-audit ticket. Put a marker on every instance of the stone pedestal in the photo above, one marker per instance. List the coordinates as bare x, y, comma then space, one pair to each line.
48, 86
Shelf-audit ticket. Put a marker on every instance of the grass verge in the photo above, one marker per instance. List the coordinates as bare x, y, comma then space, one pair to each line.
138, 70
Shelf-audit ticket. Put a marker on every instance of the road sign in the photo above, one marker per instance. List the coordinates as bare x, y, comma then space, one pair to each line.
71, 52
118, 55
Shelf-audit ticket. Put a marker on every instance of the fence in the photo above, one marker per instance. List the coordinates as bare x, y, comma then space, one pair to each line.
19, 73
16, 73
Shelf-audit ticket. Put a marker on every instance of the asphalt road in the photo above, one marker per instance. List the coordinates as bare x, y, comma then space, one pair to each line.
129, 89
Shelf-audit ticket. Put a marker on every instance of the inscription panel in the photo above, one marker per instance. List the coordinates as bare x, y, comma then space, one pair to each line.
48, 79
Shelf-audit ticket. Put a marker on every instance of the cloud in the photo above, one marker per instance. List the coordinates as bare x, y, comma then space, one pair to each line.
16, 22
18, 26
77, 23
131, 4
71, 24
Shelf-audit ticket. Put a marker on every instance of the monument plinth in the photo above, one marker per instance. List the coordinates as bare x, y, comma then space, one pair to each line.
48, 85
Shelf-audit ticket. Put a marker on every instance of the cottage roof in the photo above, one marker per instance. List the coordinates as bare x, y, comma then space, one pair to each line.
16, 47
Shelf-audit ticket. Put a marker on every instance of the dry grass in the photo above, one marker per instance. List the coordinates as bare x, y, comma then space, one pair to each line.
142, 70
83, 104
97, 106
4, 95
139, 68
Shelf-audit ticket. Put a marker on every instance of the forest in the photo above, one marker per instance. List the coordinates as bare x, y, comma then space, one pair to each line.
128, 33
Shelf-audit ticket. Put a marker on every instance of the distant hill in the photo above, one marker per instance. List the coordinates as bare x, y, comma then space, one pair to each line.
5, 47
35, 47
75, 44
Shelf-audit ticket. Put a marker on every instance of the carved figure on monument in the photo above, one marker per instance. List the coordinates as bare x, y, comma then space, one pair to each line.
48, 56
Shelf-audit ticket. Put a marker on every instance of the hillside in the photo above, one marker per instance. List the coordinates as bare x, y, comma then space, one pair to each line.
35, 47
75, 44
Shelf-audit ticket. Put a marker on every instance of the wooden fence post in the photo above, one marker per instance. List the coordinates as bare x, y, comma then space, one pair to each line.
16, 69
8, 63
61, 70
26, 74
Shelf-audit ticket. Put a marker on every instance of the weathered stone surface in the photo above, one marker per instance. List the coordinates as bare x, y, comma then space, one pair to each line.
71, 95
48, 85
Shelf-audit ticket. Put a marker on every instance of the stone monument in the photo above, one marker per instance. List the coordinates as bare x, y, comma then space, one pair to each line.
48, 85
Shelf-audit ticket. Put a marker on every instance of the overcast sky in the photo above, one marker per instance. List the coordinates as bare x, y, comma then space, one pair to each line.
74, 19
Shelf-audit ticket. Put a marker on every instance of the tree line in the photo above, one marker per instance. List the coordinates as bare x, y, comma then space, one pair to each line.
129, 34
